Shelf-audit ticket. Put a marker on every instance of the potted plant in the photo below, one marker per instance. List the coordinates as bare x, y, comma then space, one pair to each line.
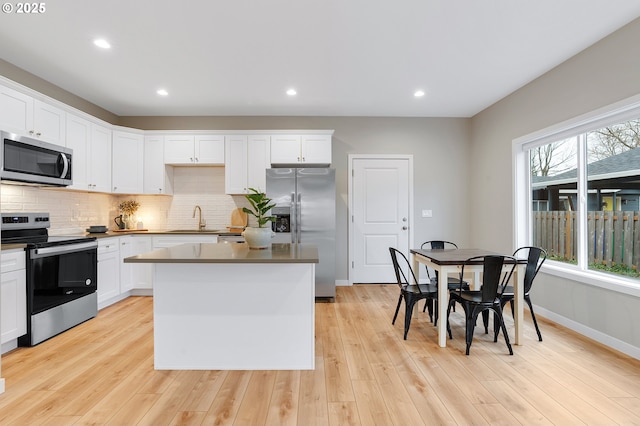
260, 237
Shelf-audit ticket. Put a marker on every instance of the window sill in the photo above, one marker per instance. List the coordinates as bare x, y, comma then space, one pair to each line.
598, 279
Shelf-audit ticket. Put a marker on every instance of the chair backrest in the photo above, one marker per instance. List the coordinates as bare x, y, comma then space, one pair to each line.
400, 265
535, 258
494, 280
438, 244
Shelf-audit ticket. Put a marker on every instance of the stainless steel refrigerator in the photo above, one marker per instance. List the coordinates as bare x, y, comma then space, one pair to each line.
305, 213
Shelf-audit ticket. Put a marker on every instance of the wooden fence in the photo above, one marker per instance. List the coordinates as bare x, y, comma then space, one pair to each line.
614, 237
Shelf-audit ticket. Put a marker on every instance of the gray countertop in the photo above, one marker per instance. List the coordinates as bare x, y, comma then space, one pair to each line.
119, 233
229, 253
111, 234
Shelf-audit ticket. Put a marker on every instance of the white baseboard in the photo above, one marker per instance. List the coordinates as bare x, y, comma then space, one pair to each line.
9, 346
342, 283
1, 386
596, 335
142, 292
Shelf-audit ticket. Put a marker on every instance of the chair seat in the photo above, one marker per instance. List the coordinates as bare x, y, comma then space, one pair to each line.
471, 296
424, 289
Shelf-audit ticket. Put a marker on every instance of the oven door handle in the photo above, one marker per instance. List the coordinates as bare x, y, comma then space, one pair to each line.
53, 251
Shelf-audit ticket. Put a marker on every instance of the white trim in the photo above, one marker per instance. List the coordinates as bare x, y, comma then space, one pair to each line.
624, 109
343, 283
611, 282
351, 158
241, 132
589, 332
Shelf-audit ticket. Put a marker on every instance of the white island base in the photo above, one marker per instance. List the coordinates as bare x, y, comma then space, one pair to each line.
234, 316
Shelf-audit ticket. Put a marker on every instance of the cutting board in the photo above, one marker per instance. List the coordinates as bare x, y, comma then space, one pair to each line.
239, 220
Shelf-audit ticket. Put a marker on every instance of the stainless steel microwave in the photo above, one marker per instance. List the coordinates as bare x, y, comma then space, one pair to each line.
28, 160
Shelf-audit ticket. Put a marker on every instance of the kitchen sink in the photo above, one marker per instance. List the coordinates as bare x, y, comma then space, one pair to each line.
194, 231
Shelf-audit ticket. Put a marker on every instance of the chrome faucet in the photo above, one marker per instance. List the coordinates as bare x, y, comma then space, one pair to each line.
201, 223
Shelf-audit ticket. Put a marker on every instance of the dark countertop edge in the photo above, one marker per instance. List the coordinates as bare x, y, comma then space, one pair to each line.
222, 261
13, 246
110, 234
210, 253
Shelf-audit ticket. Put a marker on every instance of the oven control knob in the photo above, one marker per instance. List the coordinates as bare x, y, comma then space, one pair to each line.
88, 281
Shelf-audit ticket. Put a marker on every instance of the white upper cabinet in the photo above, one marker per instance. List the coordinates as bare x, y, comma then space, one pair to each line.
128, 163
157, 177
24, 115
48, 123
100, 158
246, 159
258, 154
194, 149
235, 165
209, 149
79, 140
301, 149
16, 111
91, 161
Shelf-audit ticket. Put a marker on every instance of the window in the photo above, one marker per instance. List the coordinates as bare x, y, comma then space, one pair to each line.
578, 192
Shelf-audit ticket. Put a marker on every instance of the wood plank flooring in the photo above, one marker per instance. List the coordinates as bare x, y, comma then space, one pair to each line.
101, 372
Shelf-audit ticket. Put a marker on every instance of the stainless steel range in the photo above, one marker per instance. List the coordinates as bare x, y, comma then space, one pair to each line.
61, 276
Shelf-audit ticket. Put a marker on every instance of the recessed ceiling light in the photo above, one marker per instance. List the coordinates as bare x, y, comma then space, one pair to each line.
100, 42
291, 92
162, 92
418, 94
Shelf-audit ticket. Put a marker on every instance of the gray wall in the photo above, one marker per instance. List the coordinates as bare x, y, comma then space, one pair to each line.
607, 72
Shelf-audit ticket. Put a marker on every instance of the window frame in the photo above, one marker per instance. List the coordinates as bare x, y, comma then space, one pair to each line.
626, 109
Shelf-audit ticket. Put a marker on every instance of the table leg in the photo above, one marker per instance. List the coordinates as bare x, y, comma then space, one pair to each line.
416, 270
443, 303
518, 293
415, 265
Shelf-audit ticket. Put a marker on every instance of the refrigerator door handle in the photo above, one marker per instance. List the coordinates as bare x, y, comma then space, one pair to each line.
293, 224
299, 219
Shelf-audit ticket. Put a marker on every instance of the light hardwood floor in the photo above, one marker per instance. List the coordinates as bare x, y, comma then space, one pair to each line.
101, 372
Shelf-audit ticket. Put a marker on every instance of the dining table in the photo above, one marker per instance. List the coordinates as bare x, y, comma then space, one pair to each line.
449, 262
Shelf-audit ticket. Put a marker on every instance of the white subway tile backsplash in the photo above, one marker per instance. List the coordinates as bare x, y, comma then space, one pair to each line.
73, 211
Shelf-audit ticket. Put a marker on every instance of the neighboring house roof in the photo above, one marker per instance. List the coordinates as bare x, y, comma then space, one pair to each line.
623, 167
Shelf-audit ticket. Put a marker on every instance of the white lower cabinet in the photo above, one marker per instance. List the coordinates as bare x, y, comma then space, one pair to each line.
108, 271
135, 276
13, 296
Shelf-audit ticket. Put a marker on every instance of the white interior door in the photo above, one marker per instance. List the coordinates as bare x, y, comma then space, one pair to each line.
380, 206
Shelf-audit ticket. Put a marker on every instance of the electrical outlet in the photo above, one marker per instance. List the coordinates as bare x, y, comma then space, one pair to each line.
427, 213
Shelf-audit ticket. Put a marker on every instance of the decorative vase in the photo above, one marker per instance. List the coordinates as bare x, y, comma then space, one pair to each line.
258, 238
129, 221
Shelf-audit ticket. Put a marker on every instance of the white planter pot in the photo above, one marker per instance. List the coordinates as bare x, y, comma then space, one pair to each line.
258, 238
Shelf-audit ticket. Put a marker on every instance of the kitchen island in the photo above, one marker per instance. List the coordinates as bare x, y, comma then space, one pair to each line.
226, 307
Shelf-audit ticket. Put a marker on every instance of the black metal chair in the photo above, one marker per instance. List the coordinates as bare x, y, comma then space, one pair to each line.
410, 292
535, 258
452, 282
488, 298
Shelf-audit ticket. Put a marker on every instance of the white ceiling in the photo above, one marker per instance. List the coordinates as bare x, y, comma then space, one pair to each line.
344, 57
